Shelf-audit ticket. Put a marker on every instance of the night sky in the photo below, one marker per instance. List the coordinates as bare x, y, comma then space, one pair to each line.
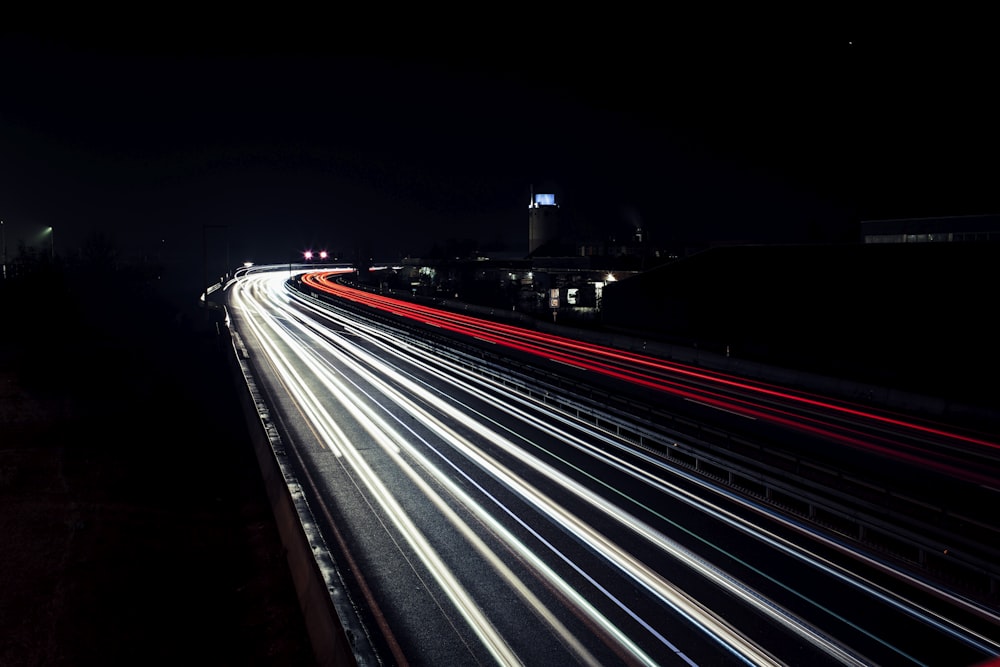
298, 137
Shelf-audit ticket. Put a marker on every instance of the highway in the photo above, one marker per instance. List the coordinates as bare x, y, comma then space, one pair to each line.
476, 524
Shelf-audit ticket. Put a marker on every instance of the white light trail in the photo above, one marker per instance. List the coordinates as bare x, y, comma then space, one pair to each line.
399, 389
463, 602
290, 342
457, 377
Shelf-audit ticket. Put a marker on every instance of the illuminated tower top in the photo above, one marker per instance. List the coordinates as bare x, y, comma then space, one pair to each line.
543, 223
543, 200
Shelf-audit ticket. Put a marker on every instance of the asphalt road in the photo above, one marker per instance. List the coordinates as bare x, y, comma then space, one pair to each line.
479, 526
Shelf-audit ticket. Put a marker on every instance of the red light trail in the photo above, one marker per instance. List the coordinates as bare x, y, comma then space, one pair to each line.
781, 406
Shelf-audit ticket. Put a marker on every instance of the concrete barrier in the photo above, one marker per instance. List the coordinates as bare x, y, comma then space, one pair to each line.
336, 635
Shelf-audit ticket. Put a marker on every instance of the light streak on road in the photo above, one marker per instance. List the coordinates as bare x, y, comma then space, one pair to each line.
386, 437
619, 558
392, 441
715, 512
495, 472
629, 522
399, 389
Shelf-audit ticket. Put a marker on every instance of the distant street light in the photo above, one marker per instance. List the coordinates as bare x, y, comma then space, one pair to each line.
52, 242
3, 232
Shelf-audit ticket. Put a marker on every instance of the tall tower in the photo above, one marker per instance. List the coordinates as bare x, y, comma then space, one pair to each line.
543, 221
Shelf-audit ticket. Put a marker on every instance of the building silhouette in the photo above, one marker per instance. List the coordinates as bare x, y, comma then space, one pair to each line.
543, 222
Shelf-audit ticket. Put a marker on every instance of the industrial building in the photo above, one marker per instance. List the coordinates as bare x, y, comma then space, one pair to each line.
951, 229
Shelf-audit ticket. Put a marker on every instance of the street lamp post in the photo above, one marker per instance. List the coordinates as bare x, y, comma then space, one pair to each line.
3, 232
204, 252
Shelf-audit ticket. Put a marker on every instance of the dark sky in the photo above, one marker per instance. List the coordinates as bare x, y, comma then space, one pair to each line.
299, 138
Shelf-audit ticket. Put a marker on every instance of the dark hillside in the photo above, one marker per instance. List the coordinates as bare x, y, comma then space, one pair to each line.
136, 528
